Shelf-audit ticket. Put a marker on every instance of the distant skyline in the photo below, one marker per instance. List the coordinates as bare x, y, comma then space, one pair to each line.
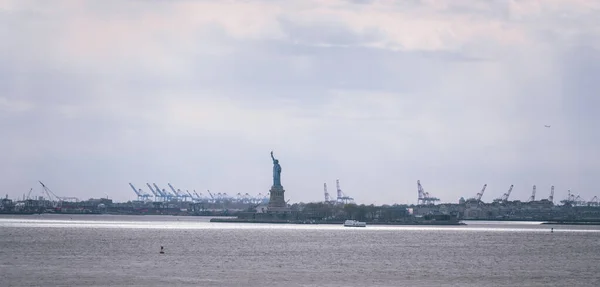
378, 94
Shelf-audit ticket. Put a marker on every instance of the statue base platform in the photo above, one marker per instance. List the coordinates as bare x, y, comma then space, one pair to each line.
277, 202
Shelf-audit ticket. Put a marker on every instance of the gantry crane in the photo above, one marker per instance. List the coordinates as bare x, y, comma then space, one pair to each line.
341, 197
505, 196
423, 196
480, 194
532, 198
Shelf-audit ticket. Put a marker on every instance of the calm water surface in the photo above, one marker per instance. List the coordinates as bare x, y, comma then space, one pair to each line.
102, 250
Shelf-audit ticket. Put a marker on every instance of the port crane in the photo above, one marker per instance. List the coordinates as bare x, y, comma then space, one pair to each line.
178, 193
424, 197
157, 193
211, 196
168, 196
260, 198
138, 193
247, 198
593, 201
199, 196
183, 194
243, 198
191, 196
327, 196
532, 198
157, 190
573, 200
570, 199
55, 198
480, 194
341, 197
164, 195
504, 197
141, 196
56, 202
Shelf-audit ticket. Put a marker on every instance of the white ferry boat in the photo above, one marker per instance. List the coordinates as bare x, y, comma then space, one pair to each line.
354, 223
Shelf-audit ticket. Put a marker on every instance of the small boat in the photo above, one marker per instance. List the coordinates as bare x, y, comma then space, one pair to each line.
354, 223
162, 250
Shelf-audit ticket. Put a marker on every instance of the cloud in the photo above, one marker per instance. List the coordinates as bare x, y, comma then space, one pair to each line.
96, 94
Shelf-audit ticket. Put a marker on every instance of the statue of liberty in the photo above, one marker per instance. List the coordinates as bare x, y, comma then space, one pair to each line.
276, 171
277, 203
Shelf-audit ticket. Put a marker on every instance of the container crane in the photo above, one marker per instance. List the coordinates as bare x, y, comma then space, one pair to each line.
164, 192
570, 199
579, 201
190, 195
246, 198
480, 194
423, 196
140, 193
532, 198
178, 193
341, 197
211, 196
327, 197
265, 199
593, 201
157, 193
421, 192
199, 196
137, 192
261, 199
505, 196
177, 196
183, 194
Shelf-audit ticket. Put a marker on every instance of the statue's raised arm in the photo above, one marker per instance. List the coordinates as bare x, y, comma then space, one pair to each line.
272, 157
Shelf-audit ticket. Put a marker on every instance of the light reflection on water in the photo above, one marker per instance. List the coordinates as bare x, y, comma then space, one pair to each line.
174, 223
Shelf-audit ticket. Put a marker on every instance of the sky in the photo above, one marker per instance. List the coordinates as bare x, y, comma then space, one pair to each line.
378, 94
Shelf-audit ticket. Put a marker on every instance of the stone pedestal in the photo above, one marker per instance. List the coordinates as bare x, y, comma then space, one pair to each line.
277, 202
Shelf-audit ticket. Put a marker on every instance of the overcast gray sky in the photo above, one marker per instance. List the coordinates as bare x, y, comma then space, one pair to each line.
380, 94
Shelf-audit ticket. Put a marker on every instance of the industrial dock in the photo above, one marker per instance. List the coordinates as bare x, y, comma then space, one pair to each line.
243, 206
332, 210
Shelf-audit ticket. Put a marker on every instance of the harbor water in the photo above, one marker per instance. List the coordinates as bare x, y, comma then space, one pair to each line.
104, 250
